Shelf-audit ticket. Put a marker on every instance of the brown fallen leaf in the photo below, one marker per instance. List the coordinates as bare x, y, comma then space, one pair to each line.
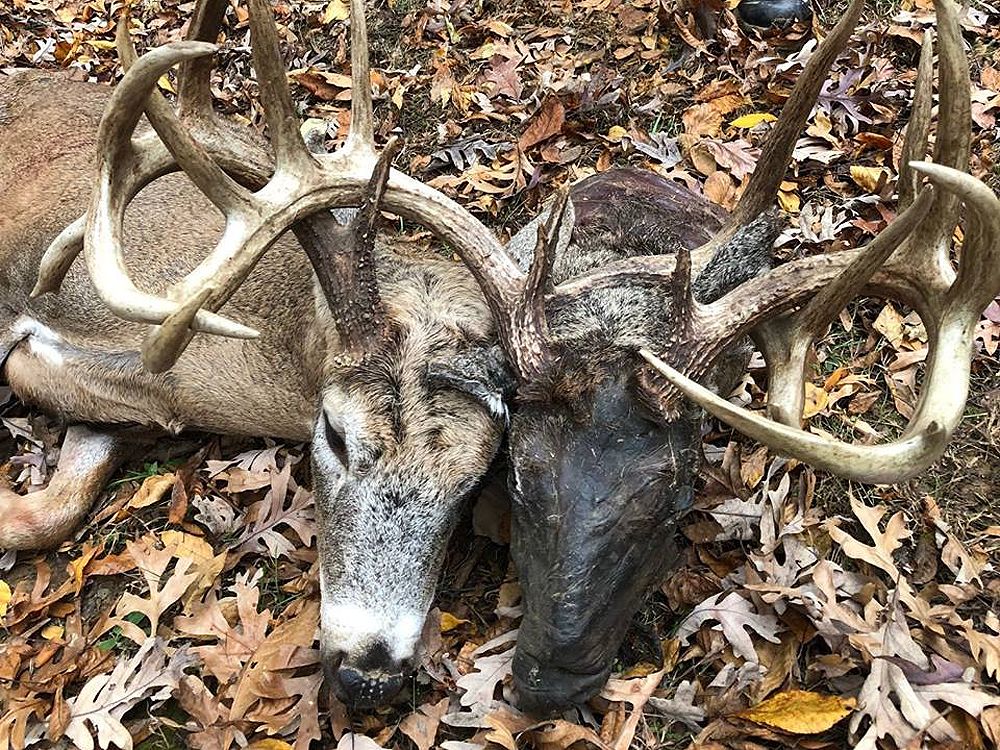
545, 123
562, 735
164, 589
636, 693
104, 700
719, 189
421, 726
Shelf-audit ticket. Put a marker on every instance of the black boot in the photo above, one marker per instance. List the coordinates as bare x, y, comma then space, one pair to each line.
773, 14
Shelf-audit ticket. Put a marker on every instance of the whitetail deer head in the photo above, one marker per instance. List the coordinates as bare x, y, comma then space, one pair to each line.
407, 419
603, 452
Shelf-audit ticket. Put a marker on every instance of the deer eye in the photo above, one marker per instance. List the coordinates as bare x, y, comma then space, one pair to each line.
335, 439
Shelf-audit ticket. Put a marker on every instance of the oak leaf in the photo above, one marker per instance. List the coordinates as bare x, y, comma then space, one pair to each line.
165, 589
104, 699
879, 554
480, 684
421, 726
734, 615
276, 511
680, 707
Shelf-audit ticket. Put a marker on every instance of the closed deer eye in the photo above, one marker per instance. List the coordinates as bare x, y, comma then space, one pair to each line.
335, 440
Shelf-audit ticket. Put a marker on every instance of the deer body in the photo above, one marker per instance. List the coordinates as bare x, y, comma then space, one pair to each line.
417, 446
78, 359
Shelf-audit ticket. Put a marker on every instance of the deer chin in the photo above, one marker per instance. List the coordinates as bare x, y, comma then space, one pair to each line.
596, 499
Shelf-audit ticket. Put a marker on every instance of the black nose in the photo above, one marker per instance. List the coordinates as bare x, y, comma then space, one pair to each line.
362, 690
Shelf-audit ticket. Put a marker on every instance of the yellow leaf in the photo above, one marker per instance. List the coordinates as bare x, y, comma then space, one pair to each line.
752, 120
336, 10
867, 178
269, 745
397, 97
188, 545
165, 84
5, 594
642, 669
152, 490
816, 400
890, 324
800, 711
53, 632
76, 567
788, 201
616, 133
450, 622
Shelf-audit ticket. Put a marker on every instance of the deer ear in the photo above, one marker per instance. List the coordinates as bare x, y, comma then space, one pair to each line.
479, 372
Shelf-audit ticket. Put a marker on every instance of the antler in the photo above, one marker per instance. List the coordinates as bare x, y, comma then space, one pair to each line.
761, 190
301, 185
918, 272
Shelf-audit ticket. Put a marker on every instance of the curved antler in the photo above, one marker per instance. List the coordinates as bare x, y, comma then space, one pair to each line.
917, 271
761, 190
302, 185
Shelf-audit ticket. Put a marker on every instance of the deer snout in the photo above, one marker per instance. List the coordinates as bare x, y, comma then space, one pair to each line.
365, 690
366, 680
367, 657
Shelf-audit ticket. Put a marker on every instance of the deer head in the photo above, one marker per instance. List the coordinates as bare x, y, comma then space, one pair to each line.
603, 451
407, 421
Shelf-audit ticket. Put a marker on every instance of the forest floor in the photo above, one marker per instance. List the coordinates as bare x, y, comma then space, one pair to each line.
807, 611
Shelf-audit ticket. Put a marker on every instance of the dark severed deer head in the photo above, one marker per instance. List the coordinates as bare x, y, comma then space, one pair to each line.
603, 451
407, 418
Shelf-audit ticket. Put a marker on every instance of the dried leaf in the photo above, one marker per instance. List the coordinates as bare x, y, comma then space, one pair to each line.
104, 699
868, 178
489, 671
151, 491
734, 614
421, 726
545, 123
800, 711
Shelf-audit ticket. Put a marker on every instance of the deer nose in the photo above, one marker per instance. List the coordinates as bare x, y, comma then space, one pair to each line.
367, 690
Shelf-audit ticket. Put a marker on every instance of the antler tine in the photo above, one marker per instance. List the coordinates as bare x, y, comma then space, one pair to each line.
827, 280
953, 138
58, 257
291, 154
297, 194
165, 342
918, 129
194, 95
785, 341
763, 185
61, 253
878, 464
522, 324
103, 241
343, 257
362, 129
978, 278
190, 156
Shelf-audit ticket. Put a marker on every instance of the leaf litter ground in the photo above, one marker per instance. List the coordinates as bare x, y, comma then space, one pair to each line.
807, 611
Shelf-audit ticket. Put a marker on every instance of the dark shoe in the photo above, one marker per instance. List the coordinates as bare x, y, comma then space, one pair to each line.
771, 14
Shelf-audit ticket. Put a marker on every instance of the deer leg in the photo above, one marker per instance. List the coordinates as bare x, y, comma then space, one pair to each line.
45, 518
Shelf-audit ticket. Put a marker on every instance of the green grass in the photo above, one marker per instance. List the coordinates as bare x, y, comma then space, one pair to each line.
147, 470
